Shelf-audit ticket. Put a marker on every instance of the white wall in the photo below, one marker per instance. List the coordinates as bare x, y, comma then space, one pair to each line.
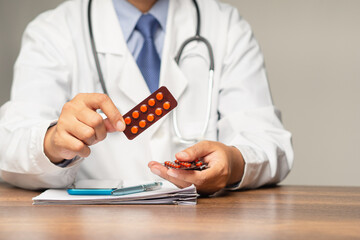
14, 16
312, 54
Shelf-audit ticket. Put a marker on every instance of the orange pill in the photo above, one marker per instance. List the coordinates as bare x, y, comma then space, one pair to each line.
150, 117
199, 164
134, 129
158, 111
135, 114
142, 123
143, 108
127, 120
159, 96
166, 105
151, 102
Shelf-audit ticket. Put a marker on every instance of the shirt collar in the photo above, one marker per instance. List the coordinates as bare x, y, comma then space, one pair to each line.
129, 15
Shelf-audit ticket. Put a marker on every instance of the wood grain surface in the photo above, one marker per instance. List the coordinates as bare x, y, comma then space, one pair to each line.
284, 212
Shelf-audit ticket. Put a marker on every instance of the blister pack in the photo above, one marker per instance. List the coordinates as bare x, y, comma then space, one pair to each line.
195, 165
148, 112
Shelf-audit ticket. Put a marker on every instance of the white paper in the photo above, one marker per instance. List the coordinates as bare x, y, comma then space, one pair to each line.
168, 194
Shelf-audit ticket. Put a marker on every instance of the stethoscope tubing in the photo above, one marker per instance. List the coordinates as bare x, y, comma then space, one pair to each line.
94, 51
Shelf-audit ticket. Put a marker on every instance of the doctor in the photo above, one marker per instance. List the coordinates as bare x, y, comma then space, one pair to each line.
51, 129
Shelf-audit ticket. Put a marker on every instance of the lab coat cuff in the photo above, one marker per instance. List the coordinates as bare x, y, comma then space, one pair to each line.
37, 154
250, 169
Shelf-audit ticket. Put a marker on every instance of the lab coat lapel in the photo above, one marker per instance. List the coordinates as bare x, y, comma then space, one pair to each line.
131, 81
180, 26
120, 68
174, 79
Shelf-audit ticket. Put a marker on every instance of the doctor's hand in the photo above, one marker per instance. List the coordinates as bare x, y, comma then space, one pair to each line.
226, 167
80, 126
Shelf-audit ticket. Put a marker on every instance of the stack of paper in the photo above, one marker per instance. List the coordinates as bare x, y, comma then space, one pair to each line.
168, 194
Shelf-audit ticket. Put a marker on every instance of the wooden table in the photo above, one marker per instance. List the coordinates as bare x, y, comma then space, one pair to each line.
285, 212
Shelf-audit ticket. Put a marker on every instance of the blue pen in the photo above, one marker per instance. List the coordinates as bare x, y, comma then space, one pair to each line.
116, 191
90, 191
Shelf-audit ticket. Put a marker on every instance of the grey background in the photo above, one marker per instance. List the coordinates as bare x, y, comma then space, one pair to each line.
312, 54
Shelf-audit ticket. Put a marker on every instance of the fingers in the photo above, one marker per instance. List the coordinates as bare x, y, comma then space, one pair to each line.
206, 182
82, 132
75, 147
182, 178
161, 171
67, 146
185, 177
196, 151
95, 122
198, 178
102, 101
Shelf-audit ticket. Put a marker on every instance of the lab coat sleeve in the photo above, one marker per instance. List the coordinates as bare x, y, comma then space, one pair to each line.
251, 123
40, 89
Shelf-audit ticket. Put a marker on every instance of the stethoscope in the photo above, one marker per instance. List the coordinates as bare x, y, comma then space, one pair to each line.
197, 38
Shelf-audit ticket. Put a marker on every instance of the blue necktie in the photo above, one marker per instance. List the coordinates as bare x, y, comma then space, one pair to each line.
148, 59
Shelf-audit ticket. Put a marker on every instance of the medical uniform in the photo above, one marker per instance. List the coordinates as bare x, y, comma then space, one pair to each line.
56, 63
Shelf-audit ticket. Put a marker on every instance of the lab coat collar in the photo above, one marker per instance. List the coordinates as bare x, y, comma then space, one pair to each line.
171, 75
180, 26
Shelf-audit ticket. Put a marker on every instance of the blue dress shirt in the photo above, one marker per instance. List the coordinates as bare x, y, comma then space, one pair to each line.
129, 15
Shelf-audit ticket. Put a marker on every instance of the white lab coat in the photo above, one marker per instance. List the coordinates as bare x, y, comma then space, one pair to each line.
56, 63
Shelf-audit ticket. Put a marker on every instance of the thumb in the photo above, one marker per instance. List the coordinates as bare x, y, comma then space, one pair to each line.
194, 152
